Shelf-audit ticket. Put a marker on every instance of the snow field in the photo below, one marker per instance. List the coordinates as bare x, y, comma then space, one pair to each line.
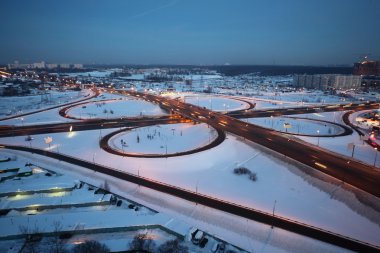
163, 139
219, 104
116, 108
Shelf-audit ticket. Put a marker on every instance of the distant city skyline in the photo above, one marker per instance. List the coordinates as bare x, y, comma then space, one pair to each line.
335, 32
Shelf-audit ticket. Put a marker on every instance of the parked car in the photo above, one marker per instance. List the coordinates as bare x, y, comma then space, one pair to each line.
198, 237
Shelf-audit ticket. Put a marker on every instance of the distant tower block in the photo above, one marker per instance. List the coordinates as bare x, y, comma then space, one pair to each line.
189, 83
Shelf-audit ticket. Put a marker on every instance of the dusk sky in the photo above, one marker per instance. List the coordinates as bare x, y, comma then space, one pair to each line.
312, 32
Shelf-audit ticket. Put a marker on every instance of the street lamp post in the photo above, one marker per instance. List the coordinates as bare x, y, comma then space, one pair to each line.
274, 207
374, 163
318, 137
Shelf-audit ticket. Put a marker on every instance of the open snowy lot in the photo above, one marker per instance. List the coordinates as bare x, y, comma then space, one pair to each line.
163, 139
130, 107
219, 104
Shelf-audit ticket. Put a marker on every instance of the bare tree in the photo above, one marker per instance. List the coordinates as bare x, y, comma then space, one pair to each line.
106, 186
90, 247
173, 246
32, 239
142, 242
56, 243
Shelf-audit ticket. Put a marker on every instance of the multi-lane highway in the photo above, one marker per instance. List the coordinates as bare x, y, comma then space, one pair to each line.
90, 124
350, 171
302, 110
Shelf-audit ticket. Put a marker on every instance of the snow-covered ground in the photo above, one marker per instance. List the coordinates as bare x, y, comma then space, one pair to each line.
119, 107
130, 107
297, 125
320, 202
21, 104
250, 235
94, 73
163, 139
219, 104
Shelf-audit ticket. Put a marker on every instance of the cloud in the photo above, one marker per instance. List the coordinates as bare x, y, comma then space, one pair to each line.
149, 11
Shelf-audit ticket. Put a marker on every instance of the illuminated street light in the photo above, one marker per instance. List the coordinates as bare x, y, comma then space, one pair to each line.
318, 137
374, 163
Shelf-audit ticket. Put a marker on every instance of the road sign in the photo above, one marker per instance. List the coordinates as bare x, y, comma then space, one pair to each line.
350, 146
48, 140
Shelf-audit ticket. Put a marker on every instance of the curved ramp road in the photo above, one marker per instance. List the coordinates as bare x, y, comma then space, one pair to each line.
219, 204
104, 144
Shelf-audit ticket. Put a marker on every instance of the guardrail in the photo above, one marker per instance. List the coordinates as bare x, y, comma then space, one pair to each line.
219, 204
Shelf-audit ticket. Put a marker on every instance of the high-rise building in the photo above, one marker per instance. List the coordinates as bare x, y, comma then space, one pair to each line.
77, 66
327, 81
368, 68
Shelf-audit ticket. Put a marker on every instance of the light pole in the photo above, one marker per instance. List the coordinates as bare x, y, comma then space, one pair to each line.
318, 137
274, 207
374, 163
100, 132
272, 120
196, 191
353, 150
